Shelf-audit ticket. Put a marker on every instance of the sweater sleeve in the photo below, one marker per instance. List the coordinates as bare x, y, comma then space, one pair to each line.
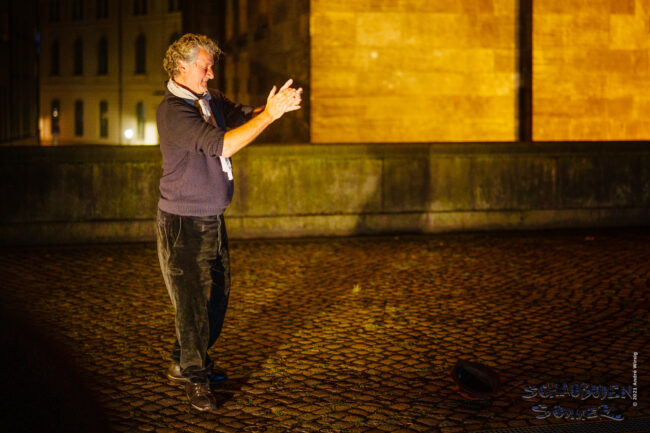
235, 114
181, 125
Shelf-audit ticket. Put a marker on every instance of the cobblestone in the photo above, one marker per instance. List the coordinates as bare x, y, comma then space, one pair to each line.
353, 334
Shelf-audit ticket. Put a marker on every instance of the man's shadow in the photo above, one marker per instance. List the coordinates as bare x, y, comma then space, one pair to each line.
308, 285
284, 306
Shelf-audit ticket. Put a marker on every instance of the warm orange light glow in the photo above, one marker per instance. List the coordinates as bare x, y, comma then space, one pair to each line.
591, 70
413, 71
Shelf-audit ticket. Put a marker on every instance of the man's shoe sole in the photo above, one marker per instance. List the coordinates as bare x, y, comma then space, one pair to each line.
181, 380
207, 409
177, 379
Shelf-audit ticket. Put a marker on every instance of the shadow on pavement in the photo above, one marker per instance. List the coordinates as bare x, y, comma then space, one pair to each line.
43, 390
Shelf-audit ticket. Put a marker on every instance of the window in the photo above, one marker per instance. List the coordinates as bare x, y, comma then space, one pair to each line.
139, 7
140, 54
103, 119
77, 10
55, 7
54, 59
102, 56
139, 112
78, 56
172, 6
55, 113
79, 118
102, 9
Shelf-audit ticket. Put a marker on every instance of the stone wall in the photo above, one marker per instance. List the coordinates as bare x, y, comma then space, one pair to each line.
413, 71
436, 71
591, 71
97, 194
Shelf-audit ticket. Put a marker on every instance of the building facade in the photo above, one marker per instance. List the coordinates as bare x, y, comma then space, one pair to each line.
101, 75
265, 43
411, 123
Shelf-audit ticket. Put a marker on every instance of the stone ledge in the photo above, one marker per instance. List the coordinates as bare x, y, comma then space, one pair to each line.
287, 226
56, 195
106, 153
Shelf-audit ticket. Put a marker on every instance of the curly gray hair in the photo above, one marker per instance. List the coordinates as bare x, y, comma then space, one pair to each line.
187, 48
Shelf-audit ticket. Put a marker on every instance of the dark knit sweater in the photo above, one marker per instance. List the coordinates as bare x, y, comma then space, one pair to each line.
193, 182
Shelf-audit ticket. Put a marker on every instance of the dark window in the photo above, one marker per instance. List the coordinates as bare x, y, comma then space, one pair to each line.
77, 10
102, 56
172, 6
5, 120
55, 113
139, 112
78, 56
4, 114
55, 8
174, 37
139, 7
79, 118
102, 9
54, 59
140, 54
103, 119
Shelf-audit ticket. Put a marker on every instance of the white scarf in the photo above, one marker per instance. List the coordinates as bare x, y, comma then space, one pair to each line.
190, 97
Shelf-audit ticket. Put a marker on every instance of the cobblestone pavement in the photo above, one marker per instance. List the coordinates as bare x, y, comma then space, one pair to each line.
355, 334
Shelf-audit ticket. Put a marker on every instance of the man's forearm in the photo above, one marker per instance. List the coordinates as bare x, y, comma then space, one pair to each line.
238, 138
277, 103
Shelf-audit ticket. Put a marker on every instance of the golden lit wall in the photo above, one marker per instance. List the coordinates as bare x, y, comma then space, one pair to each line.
591, 70
413, 70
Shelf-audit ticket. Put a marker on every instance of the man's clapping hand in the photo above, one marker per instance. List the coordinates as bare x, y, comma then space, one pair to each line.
284, 100
278, 103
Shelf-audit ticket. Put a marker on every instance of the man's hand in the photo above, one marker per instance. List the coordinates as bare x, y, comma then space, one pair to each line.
286, 99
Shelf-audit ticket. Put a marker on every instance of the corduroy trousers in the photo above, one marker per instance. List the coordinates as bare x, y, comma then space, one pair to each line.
194, 259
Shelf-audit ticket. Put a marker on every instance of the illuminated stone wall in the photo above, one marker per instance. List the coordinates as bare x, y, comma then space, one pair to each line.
591, 70
413, 70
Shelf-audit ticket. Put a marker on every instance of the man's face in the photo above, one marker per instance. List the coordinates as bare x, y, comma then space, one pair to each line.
195, 76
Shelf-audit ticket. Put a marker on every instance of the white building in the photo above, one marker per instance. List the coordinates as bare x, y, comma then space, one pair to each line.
101, 75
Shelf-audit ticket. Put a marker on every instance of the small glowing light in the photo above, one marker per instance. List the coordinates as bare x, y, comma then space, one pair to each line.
55, 113
128, 133
374, 54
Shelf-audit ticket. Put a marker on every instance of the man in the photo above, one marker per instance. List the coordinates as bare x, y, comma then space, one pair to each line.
200, 129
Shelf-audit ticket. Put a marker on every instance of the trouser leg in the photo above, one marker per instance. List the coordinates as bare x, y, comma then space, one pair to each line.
189, 252
219, 294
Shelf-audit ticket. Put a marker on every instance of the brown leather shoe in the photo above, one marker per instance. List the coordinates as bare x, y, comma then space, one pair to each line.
200, 396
